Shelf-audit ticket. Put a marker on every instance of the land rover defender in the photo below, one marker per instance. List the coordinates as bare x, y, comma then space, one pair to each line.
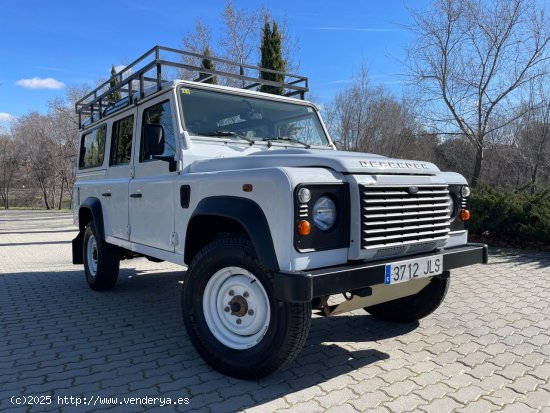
248, 191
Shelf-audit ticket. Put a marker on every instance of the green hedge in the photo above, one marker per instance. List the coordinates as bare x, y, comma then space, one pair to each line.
514, 217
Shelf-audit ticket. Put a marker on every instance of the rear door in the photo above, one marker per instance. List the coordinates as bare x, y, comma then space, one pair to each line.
115, 197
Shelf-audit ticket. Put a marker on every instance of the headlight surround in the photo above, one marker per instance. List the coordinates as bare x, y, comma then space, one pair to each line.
324, 213
461, 203
329, 218
452, 206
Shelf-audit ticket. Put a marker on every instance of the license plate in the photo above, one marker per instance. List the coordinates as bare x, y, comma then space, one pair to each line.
401, 271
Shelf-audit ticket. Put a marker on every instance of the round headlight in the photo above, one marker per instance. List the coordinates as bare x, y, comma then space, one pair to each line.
452, 206
324, 213
304, 195
465, 191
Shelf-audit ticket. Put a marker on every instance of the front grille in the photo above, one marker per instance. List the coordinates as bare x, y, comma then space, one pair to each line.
391, 216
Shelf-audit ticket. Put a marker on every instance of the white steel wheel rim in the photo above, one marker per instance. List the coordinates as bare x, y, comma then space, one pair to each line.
91, 255
236, 308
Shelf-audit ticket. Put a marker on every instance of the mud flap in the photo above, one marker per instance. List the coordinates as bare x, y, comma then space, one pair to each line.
78, 256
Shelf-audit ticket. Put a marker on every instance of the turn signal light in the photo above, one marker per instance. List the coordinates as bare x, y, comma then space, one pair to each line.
464, 215
304, 227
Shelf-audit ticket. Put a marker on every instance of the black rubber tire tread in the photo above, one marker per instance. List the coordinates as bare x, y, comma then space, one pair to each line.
108, 262
414, 307
288, 328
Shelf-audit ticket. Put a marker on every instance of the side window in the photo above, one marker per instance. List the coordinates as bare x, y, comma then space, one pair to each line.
92, 148
160, 114
121, 141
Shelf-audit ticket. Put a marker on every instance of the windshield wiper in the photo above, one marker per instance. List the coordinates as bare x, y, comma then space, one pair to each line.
286, 139
228, 134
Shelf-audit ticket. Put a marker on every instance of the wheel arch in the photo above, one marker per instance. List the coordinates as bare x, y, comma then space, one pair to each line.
220, 214
89, 210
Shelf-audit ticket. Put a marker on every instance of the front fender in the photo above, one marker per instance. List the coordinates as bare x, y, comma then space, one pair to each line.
249, 215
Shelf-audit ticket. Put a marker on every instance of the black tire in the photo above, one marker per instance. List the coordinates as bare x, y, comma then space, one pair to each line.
413, 307
277, 343
107, 260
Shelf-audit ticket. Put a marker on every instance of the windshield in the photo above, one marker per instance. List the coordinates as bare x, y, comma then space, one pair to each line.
223, 115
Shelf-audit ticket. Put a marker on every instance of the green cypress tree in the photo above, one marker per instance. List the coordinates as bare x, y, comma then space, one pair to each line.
207, 63
272, 57
115, 95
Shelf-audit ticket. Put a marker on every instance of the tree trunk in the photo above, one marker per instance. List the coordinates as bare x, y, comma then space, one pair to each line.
46, 199
61, 195
534, 179
477, 167
70, 189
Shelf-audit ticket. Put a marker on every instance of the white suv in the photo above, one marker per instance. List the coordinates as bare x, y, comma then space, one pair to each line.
248, 190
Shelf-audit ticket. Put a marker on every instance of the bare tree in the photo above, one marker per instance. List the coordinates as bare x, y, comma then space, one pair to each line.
532, 139
33, 132
240, 38
9, 163
199, 39
196, 41
368, 118
64, 133
347, 114
239, 41
470, 59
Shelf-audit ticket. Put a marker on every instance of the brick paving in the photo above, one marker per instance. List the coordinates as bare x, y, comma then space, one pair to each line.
486, 349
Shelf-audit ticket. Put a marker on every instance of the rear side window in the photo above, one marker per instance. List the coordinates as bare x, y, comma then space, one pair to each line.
121, 141
92, 148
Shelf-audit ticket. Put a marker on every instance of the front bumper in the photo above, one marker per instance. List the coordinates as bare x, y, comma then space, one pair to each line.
303, 286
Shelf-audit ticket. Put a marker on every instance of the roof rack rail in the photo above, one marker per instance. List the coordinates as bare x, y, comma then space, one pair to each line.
149, 72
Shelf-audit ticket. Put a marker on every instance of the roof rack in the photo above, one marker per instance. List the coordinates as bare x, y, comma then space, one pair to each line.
150, 70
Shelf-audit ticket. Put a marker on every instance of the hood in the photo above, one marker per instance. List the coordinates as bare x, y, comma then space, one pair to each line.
340, 161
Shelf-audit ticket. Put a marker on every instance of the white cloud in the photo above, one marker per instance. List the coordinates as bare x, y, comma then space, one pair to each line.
39, 83
6, 117
5, 121
119, 68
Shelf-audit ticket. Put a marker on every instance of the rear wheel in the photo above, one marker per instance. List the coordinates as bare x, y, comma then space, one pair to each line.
232, 317
413, 307
101, 260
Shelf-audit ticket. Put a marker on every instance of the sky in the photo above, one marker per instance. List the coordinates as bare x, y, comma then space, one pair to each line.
47, 46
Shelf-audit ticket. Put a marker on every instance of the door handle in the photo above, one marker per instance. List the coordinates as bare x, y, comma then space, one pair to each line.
136, 195
106, 194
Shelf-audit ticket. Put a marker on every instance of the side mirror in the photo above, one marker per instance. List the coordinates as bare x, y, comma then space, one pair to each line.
153, 139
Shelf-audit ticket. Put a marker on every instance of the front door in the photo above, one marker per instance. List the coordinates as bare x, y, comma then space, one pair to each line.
151, 191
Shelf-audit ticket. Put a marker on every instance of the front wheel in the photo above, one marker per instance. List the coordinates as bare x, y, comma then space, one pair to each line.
232, 317
413, 307
101, 260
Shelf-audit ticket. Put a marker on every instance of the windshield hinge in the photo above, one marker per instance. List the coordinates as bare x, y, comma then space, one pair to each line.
128, 230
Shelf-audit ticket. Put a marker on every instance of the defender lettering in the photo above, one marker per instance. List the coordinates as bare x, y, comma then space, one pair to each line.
402, 165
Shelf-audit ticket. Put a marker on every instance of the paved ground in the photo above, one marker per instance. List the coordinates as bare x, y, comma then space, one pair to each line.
486, 349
